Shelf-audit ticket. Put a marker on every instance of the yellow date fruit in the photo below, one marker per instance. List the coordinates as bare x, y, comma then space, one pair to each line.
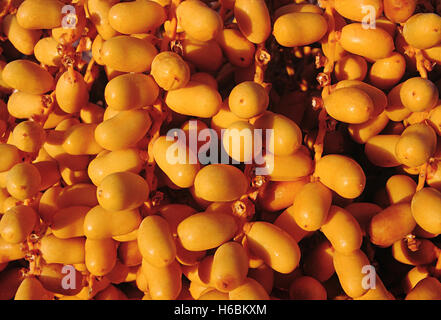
27, 76
425, 209
17, 223
155, 241
342, 175
253, 19
311, 206
131, 91
198, 20
122, 191
206, 230
272, 244
140, 16
391, 224
299, 29
342, 230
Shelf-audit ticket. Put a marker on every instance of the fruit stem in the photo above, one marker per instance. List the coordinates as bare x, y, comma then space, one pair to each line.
422, 177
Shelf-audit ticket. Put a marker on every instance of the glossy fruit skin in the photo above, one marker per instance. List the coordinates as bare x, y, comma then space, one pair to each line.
99, 15
10, 252
80, 140
170, 71
32, 289
10, 156
419, 94
181, 173
380, 292
51, 277
128, 54
357, 40
427, 289
114, 161
24, 105
35, 14
423, 30
64, 251
351, 67
186, 257
386, 73
253, 19
355, 10
350, 105
71, 92
399, 11
249, 290
416, 145
307, 288
198, 20
91, 113
378, 96
286, 137
311, 206
342, 230
238, 49
28, 136
23, 39
349, 270
415, 275
174, 214
361, 133
435, 119
100, 256
425, 204
122, 191
206, 230
128, 253
391, 224
297, 7
136, 17
28, 77
207, 183
68, 222
163, 283
101, 224
433, 53
380, 150
23, 181
131, 91
272, 244
299, 29
400, 188
348, 182
206, 56
248, 99
230, 266
238, 141
279, 195
128, 136
182, 102
155, 241
17, 224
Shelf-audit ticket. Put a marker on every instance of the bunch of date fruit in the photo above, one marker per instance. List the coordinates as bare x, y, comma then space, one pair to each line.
220, 150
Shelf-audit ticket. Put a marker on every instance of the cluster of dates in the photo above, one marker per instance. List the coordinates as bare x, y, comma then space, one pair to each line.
328, 113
